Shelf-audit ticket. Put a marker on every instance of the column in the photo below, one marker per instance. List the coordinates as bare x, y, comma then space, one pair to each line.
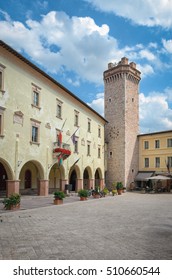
91, 184
62, 184
79, 185
13, 186
43, 187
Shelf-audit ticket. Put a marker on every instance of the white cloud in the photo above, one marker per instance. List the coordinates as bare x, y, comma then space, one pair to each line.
145, 69
167, 45
83, 47
98, 103
142, 12
61, 43
155, 112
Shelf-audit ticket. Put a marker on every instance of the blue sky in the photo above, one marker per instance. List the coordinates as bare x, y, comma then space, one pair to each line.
74, 40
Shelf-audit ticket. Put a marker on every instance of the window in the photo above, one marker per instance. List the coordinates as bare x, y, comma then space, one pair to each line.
146, 144
88, 149
34, 134
1, 121
2, 67
110, 155
35, 131
99, 152
36, 96
76, 145
157, 162
169, 160
146, 162
157, 144
99, 132
76, 118
169, 143
89, 125
59, 109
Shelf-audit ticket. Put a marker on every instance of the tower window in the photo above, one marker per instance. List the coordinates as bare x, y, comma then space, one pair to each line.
110, 154
110, 100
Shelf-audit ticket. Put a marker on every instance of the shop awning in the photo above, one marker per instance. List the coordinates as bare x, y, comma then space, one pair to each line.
143, 176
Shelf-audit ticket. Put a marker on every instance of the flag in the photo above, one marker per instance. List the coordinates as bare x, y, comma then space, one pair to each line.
60, 139
75, 162
63, 124
73, 137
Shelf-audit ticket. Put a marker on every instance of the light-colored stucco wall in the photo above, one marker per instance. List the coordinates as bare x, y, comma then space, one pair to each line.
16, 148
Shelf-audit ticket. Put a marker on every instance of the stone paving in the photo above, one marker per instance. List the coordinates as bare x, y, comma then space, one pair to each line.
130, 226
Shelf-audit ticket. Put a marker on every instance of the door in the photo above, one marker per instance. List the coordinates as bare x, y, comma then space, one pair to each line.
3, 178
28, 179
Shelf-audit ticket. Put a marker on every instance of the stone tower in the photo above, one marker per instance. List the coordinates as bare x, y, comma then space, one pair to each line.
121, 83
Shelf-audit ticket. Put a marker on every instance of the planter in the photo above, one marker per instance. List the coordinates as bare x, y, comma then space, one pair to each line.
13, 207
83, 198
58, 201
96, 195
119, 191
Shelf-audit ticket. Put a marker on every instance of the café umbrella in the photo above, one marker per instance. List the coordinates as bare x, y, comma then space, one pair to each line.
159, 177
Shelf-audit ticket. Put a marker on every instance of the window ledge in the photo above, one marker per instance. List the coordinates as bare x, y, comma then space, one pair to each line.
2, 136
37, 107
34, 143
59, 117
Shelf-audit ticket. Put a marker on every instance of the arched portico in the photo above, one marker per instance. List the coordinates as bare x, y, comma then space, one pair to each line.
74, 178
88, 182
56, 178
32, 179
7, 183
98, 178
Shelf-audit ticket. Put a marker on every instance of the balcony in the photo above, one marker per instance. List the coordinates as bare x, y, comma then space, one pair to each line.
63, 150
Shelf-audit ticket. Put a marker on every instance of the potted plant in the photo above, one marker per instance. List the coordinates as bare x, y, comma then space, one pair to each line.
96, 192
119, 187
58, 197
105, 191
12, 202
114, 192
83, 194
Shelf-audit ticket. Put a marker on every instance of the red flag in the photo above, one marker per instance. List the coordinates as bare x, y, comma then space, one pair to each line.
60, 138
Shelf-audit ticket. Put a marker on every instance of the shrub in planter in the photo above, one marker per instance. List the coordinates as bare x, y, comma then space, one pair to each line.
83, 194
105, 191
12, 202
119, 187
114, 192
58, 197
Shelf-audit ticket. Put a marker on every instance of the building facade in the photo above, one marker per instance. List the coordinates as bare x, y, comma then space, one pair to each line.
121, 82
48, 136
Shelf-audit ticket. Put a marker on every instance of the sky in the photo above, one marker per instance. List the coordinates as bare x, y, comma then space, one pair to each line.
74, 40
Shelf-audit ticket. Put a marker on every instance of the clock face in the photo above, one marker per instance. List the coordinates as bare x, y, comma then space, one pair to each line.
113, 132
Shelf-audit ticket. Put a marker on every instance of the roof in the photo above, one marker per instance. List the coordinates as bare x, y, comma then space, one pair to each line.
15, 53
154, 133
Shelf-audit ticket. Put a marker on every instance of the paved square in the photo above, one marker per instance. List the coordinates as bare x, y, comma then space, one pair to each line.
131, 226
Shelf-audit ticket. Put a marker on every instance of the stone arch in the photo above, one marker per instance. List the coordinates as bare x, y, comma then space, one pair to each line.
36, 171
56, 175
8, 169
87, 178
98, 177
74, 177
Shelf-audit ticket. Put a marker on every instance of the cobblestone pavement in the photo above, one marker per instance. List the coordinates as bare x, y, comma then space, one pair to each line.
130, 226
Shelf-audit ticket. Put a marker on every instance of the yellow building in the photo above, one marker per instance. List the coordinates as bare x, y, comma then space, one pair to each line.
48, 136
155, 154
